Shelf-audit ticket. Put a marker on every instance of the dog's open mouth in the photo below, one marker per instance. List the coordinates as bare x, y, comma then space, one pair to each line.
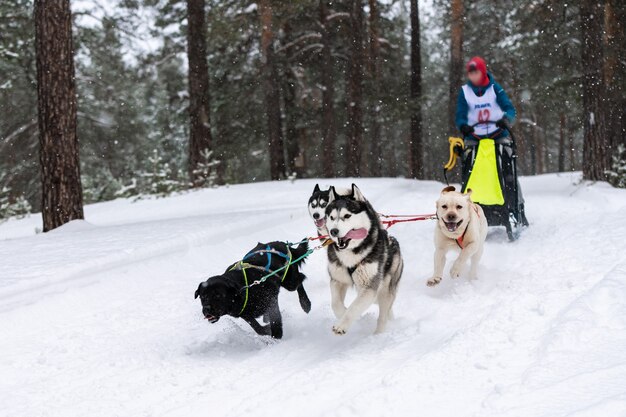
343, 242
212, 319
320, 222
453, 226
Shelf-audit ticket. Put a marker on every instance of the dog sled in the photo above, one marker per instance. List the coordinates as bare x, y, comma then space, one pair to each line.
489, 169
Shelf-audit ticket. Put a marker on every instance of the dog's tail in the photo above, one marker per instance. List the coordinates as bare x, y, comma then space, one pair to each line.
300, 251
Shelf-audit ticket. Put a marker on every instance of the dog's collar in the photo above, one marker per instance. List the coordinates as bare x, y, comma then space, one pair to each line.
459, 240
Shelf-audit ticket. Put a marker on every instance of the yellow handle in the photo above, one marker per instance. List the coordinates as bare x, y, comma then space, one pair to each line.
454, 142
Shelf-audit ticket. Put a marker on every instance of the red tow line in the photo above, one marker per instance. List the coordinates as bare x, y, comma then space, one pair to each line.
404, 218
320, 237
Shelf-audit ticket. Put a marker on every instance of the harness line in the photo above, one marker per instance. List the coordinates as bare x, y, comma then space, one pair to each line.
243, 266
404, 218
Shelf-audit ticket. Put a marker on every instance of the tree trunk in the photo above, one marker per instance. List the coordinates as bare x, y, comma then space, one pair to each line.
416, 163
561, 167
613, 78
289, 80
540, 152
620, 46
329, 129
291, 123
596, 146
272, 94
355, 91
456, 59
572, 157
375, 70
62, 195
199, 110
533, 147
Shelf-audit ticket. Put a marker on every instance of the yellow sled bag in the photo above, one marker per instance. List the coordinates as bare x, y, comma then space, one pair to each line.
484, 180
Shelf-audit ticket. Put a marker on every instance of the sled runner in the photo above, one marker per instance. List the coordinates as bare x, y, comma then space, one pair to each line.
490, 171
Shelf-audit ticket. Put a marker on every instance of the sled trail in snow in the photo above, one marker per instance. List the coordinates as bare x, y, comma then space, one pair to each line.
98, 317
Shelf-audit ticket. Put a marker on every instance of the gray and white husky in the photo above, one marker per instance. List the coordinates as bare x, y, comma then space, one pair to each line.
317, 206
364, 256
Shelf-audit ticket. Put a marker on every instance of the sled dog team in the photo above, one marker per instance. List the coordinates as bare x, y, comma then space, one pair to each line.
362, 255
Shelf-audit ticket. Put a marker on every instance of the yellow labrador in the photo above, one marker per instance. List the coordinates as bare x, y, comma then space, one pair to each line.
460, 224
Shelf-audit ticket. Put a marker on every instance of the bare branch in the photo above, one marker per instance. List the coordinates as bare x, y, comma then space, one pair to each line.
306, 36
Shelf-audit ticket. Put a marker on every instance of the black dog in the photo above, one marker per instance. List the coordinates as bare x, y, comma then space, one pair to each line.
227, 294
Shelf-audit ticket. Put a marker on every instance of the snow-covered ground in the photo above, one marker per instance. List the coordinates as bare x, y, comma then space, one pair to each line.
98, 318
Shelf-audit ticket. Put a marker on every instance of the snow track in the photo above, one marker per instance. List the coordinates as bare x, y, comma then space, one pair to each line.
99, 318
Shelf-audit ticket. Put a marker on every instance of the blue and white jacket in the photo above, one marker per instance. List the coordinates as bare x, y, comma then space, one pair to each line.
462, 108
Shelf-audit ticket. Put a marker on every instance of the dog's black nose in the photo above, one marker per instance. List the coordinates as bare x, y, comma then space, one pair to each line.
451, 217
316, 216
334, 232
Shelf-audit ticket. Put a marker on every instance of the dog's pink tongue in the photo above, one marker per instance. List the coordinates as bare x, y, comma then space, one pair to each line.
357, 233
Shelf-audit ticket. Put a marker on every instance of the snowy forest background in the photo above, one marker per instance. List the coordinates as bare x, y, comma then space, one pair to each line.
132, 73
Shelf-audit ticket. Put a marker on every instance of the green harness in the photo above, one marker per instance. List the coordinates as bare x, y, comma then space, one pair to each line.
244, 266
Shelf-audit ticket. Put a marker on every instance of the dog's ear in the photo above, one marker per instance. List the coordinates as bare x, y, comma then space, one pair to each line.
448, 189
316, 189
332, 194
468, 193
357, 194
199, 290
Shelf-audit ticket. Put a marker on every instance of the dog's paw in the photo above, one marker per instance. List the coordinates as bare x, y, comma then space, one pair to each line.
433, 281
338, 330
456, 270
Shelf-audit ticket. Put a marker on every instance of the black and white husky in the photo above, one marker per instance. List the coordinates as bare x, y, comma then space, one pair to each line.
363, 255
317, 209
317, 206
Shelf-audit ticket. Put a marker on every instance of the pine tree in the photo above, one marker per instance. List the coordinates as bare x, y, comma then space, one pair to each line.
328, 127
617, 174
614, 79
272, 96
596, 151
62, 199
199, 109
355, 91
11, 206
18, 100
415, 146
375, 81
110, 114
457, 12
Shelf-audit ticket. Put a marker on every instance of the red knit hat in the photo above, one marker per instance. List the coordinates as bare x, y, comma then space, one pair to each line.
478, 64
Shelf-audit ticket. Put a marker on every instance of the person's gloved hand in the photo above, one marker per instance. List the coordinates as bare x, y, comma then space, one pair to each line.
458, 149
467, 130
503, 123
